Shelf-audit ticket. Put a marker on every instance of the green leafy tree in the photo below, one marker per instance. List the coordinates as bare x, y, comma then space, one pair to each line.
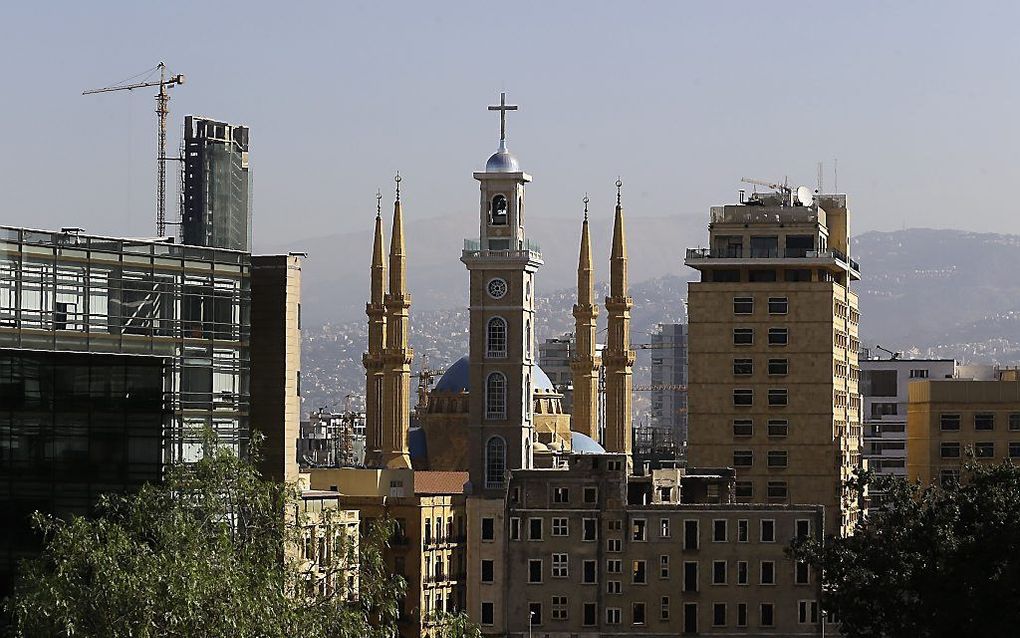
454, 625
212, 551
936, 561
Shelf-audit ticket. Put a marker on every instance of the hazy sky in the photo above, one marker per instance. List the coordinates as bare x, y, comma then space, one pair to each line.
917, 100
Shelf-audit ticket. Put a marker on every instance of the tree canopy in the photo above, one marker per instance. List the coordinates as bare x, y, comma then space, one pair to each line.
206, 553
935, 561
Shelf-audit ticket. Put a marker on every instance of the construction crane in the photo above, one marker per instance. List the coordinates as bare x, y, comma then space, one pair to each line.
162, 110
783, 188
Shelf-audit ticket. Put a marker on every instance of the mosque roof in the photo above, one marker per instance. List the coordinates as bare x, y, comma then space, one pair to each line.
457, 378
584, 444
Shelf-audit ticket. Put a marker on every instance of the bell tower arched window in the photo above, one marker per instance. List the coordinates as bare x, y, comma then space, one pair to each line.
495, 396
495, 462
498, 211
495, 338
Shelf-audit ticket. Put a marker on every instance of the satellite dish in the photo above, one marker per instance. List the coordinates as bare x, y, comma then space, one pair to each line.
804, 196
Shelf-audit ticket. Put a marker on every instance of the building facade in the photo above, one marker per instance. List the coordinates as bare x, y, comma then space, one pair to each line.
883, 385
773, 352
952, 420
668, 411
215, 185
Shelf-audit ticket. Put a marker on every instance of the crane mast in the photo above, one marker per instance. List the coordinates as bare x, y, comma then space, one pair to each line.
162, 111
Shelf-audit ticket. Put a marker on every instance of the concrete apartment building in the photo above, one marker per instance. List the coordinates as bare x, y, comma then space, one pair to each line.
950, 419
883, 385
773, 352
669, 381
593, 551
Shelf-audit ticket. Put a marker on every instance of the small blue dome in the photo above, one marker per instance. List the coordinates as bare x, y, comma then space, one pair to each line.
456, 378
502, 161
584, 444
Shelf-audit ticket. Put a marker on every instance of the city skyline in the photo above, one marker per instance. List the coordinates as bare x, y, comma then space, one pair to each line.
907, 101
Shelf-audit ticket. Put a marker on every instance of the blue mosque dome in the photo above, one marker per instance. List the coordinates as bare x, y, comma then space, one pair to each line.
584, 444
458, 376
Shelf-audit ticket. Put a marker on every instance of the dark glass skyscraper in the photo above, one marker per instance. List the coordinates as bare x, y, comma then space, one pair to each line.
215, 185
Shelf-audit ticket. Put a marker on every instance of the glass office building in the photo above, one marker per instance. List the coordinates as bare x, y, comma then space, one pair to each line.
116, 356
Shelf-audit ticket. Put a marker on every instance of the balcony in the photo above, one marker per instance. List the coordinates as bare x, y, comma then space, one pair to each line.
734, 254
530, 251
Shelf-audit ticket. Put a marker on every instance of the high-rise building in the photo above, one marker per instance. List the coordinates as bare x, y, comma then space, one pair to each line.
883, 386
773, 352
669, 380
215, 185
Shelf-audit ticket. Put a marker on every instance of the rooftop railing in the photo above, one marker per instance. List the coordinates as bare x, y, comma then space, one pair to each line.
529, 250
794, 253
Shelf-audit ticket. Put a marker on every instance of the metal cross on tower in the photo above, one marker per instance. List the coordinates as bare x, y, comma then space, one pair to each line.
502, 107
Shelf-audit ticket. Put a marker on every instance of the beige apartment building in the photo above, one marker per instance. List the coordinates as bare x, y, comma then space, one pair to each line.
773, 352
591, 550
950, 420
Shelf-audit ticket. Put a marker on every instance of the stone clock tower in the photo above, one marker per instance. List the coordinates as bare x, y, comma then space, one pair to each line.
502, 266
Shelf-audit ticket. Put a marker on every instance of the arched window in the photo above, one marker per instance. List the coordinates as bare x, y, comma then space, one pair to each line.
495, 462
527, 338
495, 338
497, 211
495, 396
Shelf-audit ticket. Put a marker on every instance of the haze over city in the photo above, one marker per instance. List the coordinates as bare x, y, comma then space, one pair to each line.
915, 99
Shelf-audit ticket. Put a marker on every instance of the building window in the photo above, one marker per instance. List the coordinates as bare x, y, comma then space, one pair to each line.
743, 367
560, 566
560, 527
767, 615
590, 614
742, 527
743, 397
534, 529
807, 612
743, 458
984, 449
613, 616
779, 367
768, 572
591, 494
561, 495
589, 571
639, 531
918, 374
535, 613
614, 545
495, 396
777, 458
515, 529
803, 529
950, 450
984, 421
488, 569
778, 305
743, 427
691, 535
488, 613
488, 529
741, 614
949, 478
495, 339
1014, 422
743, 305
719, 531
801, 573
614, 587
778, 427
498, 210
535, 570
690, 576
590, 529
718, 572
743, 490
559, 608
638, 613
690, 618
778, 397
495, 463
664, 608
1014, 449
779, 336
949, 422
639, 575
768, 530
663, 528
742, 578
743, 336
664, 566
614, 566
718, 614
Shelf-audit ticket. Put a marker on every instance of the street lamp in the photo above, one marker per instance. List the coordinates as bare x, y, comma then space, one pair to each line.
825, 615
531, 620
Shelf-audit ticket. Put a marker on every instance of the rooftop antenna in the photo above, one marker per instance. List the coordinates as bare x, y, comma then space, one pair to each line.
835, 175
820, 189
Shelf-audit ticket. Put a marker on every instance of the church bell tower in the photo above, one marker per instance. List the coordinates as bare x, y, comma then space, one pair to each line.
502, 265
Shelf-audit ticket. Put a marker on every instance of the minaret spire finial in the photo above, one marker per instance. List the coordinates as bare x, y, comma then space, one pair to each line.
619, 186
502, 107
396, 179
378, 203
585, 200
